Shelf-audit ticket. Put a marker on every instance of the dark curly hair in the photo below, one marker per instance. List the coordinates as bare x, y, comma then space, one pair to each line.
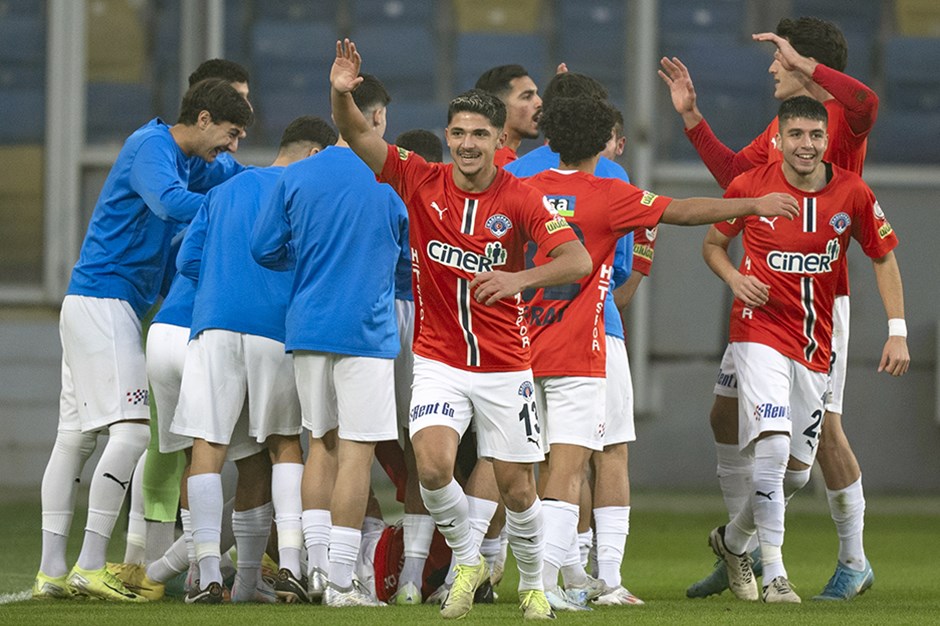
816, 38
577, 128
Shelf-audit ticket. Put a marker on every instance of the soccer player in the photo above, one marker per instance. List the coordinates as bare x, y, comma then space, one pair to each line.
236, 361
153, 187
810, 59
781, 326
417, 525
611, 488
344, 232
468, 223
569, 360
155, 493
513, 85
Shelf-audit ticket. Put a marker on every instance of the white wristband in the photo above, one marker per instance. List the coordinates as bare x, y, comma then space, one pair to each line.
897, 327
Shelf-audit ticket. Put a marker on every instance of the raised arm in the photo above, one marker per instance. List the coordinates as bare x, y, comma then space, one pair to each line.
747, 289
694, 211
895, 358
352, 125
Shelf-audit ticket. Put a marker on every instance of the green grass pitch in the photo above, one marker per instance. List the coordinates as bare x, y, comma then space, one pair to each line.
666, 551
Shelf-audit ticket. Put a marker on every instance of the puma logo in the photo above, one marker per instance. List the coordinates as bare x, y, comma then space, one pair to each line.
768, 495
123, 483
812, 446
771, 221
440, 211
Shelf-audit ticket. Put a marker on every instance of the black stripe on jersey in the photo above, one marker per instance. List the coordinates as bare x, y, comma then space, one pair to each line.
466, 322
469, 216
809, 215
809, 316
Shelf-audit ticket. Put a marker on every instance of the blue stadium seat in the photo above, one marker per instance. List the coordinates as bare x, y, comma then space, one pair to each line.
426, 114
23, 119
478, 52
276, 109
719, 22
402, 56
297, 10
592, 39
417, 12
115, 110
22, 39
912, 74
738, 103
905, 137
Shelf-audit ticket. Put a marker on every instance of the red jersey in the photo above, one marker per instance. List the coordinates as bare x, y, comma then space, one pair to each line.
801, 258
644, 246
600, 211
454, 234
504, 155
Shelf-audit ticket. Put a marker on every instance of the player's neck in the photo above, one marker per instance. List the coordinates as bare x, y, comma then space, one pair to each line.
185, 137
811, 182
587, 166
477, 182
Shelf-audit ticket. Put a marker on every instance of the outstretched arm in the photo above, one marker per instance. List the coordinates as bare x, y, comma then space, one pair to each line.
352, 125
694, 211
747, 289
895, 358
676, 76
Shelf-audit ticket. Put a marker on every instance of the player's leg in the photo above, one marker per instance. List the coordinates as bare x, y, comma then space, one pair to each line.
612, 478
109, 377
842, 474
275, 418
251, 525
364, 419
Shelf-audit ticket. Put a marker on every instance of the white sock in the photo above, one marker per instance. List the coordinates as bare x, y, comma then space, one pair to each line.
59, 486
174, 561
251, 529
112, 477
344, 548
613, 526
847, 507
572, 572
449, 508
317, 524
285, 494
187, 520
160, 536
526, 532
560, 521
205, 509
479, 513
135, 549
768, 501
734, 476
585, 541
490, 549
418, 533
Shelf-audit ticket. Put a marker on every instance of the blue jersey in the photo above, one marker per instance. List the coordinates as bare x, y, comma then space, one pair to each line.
152, 188
343, 232
233, 292
177, 307
541, 159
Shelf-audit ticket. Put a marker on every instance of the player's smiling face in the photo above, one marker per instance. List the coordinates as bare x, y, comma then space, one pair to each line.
472, 140
803, 142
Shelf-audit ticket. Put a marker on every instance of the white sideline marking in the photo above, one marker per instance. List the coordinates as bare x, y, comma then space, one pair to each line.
9, 598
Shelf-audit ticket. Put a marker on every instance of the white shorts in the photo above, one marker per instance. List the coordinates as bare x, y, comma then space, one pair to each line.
573, 410
104, 375
838, 363
502, 405
778, 394
726, 385
166, 354
405, 361
222, 369
620, 425
354, 393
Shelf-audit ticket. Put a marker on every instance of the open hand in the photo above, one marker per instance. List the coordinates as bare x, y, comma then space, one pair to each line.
344, 75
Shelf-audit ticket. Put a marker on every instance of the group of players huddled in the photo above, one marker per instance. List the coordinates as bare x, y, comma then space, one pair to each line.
365, 292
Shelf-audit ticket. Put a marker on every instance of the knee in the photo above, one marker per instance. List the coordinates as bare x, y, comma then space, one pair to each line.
72, 442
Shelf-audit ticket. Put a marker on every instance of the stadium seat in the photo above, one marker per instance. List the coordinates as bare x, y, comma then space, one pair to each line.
905, 137
498, 16
718, 22
427, 114
115, 110
912, 74
402, 56
592, 39
917, 18
22, 39
297, 10
23, 119
478, 52
415, 12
